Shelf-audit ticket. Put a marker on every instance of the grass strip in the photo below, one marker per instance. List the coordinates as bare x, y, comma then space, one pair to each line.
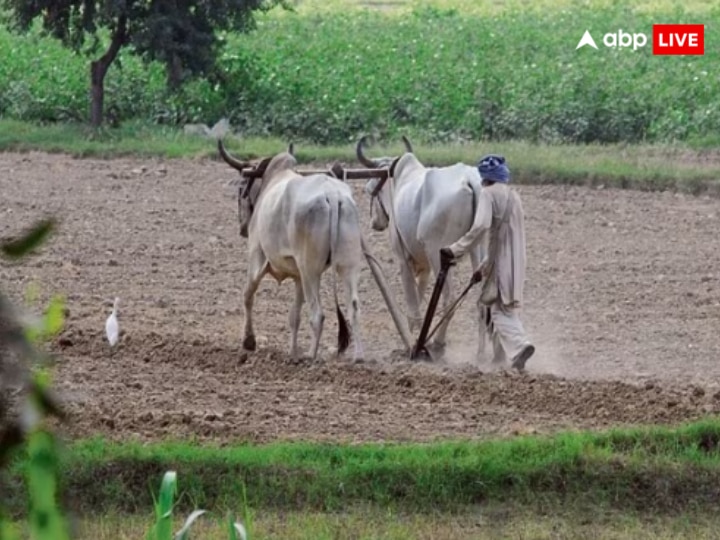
642, 167
490, 522
657, 468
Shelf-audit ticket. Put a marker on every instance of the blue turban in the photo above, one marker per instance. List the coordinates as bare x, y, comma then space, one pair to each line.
492, 167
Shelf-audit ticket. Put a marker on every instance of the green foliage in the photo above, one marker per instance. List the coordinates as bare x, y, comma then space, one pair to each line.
442, 73
46, 520
26, 243
453, 77
180, 35
28, 435
162, 528
27, 432
52, 322
163, 30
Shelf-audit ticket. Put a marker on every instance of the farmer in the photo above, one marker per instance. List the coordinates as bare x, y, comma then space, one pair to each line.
499, 225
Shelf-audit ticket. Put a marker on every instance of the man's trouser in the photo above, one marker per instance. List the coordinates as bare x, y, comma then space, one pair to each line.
508, 334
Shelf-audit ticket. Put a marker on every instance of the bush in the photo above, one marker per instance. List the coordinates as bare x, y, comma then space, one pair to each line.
437, 73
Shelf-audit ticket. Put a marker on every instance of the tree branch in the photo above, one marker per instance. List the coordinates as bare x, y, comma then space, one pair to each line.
119, 37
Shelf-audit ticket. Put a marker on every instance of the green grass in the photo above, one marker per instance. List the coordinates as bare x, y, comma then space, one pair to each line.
651, 469
451, 71
485, 7
647, 167
489, 522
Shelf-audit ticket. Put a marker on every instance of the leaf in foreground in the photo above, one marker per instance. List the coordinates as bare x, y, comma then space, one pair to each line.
184, 533
46, 519
164, 507
237, 530
29, 241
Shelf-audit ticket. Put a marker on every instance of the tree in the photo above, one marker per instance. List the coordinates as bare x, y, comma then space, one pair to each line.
179, 33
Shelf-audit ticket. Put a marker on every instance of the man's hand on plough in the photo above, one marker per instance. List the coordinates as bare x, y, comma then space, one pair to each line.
447, 258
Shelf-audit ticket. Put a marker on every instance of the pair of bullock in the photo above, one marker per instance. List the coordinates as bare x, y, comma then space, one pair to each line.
298, 226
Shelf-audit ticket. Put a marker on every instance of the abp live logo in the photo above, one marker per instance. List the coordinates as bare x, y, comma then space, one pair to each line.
668, 39
678, 39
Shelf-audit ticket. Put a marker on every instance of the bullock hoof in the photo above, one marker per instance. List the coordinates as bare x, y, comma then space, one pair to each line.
300, 359
249, 343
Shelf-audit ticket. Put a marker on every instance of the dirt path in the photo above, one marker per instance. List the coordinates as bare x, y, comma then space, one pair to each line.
622, 301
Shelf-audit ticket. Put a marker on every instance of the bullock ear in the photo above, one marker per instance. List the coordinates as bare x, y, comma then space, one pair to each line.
252, 175
258, 170
262, 166
337, 170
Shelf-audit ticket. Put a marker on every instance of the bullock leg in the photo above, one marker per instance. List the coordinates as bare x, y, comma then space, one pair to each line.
311, 289
350, 277
483, 311
295, 319
414, 317
422, 284
257, 268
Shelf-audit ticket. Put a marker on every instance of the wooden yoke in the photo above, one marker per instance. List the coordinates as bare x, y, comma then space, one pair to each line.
338, 171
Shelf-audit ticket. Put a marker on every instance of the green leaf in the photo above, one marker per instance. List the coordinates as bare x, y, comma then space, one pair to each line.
236, 530
46, 521
164, 508
184, 533
241, 532
51, 323
8, 531
247, 516
54, 317
29, 241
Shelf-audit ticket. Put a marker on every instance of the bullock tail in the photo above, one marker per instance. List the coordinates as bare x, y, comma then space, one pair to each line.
343, 329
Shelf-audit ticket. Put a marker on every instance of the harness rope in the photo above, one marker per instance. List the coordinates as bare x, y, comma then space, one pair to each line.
452, 308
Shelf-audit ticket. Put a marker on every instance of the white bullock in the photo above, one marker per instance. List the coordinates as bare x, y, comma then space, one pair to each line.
425, 210
297, 227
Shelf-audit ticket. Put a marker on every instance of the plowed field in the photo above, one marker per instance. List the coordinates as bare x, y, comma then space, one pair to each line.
622, 302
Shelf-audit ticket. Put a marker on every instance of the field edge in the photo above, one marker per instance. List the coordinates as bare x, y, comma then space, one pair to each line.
651, 468
638, 167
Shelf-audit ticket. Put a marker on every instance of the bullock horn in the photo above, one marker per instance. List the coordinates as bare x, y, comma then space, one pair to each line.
234, 163
408, 146
254, 174
258, 171
361, 155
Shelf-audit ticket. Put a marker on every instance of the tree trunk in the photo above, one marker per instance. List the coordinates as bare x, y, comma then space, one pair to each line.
174, 72
97, 93
99, 68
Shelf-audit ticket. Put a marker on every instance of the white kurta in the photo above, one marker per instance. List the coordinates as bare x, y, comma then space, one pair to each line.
499, 224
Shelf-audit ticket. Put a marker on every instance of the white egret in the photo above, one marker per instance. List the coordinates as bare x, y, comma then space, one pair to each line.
112, 328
